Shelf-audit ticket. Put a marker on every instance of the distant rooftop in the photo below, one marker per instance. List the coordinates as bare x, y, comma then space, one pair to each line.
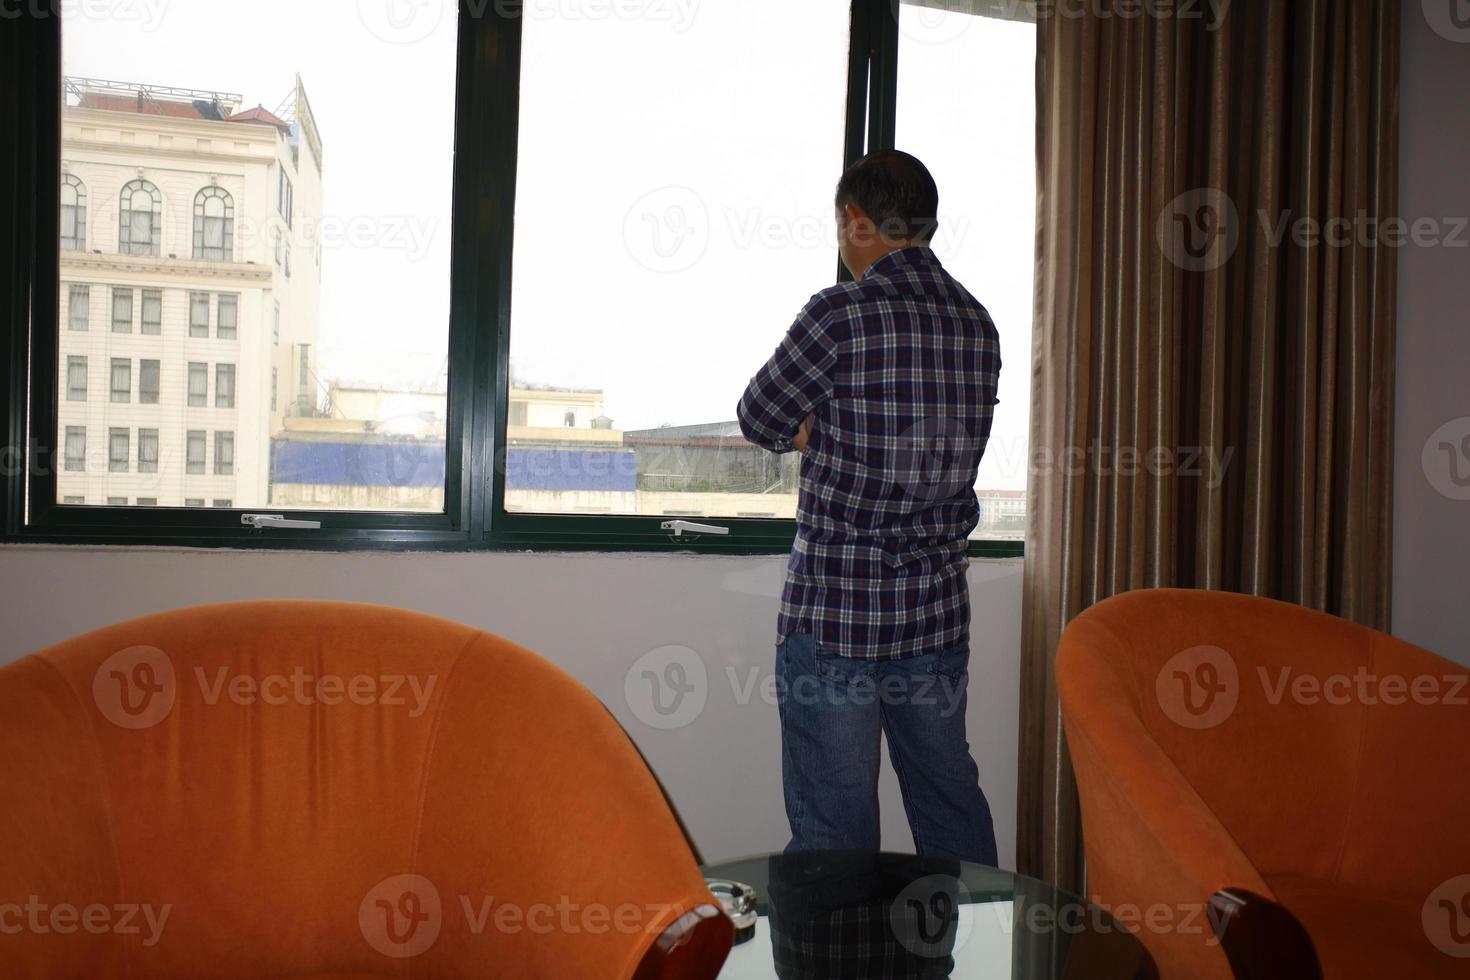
291, 117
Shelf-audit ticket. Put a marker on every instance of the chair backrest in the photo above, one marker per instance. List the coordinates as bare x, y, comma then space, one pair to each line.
1277, 717
315, 787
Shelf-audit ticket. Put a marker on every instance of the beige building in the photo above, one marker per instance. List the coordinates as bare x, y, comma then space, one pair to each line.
190, 287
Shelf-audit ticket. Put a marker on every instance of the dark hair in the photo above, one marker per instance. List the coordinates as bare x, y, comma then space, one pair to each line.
896, 191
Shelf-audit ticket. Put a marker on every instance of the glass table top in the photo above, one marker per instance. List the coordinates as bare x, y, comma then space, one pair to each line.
856, 914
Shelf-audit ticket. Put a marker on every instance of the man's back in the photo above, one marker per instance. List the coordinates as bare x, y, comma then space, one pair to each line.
900, 370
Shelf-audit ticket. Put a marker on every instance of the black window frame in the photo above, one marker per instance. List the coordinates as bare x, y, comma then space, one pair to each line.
487, 105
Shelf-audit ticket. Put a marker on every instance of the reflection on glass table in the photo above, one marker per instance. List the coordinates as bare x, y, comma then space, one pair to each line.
849, 915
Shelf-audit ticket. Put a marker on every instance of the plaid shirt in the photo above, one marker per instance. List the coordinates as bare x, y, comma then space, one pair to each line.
900, 369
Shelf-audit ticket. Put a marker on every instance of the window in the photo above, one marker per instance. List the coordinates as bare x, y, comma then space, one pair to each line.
79, 307
147, 501
73, 500
680, 221
194, 452
193, 501
117, 450
148, 378
288, 258
982, 155
117, 501
122, 380
76, 449
73, 214
224, 386
214, 225
228, 316
140, 219
463, 285
152, 312
198, 314
122, 310
285, 196
224, 503
147, 450
198, 384
224, 454
76, 379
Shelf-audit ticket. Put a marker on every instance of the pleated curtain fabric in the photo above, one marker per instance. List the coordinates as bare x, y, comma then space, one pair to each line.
1213, 363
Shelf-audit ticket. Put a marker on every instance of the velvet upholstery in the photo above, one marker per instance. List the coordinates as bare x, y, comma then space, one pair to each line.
1347, 809
274, 817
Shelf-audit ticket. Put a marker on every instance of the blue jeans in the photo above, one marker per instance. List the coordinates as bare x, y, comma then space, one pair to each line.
833, 710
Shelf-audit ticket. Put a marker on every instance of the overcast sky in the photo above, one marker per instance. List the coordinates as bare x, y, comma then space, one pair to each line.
675, 177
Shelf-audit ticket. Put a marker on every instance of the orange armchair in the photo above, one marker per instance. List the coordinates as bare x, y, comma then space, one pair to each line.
325, 789
1222, 741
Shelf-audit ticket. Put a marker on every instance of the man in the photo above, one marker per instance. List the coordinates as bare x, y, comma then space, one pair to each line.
886, 385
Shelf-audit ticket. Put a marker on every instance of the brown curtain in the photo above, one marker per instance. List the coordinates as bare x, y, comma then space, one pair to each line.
1212, 391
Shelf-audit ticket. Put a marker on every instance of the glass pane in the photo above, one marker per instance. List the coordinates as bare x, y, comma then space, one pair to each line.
966, 107
650, 289
193, 140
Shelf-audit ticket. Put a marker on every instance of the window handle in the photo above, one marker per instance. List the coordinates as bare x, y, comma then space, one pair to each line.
276, 520
681, 527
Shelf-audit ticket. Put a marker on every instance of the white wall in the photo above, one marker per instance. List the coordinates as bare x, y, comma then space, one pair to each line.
1431, 527
593, 614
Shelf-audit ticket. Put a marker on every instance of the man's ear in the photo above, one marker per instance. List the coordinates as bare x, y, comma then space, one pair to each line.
859, 226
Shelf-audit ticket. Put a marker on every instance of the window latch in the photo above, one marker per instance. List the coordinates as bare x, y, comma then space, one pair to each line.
277, 520
680, 528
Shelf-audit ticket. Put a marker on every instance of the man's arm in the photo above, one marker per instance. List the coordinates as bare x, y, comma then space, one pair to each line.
775, 411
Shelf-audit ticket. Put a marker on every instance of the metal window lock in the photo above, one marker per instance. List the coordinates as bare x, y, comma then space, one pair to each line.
277, 521
680, 528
